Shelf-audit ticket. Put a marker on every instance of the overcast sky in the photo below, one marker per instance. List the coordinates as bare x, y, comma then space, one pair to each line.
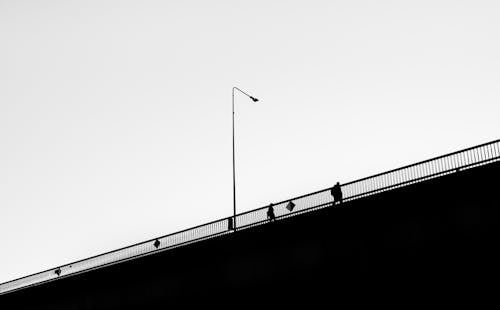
115, 116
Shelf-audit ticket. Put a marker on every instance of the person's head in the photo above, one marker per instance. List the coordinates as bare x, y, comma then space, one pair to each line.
338, 183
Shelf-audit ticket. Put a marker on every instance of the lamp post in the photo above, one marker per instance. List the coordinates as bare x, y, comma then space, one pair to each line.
234, 170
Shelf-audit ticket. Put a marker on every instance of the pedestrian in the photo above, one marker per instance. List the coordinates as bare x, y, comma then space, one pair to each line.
336, 192
270, 213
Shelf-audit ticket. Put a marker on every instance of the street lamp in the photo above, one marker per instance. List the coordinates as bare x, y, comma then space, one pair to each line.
234, 173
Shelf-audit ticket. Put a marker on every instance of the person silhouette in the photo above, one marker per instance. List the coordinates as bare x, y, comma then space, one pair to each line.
336, 193
270, 213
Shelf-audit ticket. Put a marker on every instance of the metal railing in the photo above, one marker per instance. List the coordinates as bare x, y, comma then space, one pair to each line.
418, 172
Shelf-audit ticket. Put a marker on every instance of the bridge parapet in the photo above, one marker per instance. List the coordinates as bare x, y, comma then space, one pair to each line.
432, 168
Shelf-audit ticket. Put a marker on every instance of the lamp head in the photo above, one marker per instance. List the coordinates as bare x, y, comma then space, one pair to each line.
254, 99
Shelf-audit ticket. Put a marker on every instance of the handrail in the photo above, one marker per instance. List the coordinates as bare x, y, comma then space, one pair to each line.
399, 177
379, 174
113, 251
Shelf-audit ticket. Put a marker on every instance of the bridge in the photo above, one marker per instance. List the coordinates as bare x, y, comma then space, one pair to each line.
436, 219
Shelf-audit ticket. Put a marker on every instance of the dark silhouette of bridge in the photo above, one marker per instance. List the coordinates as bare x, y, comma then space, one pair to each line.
418, 230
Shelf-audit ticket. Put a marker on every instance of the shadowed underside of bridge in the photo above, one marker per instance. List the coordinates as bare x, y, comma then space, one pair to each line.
437, 238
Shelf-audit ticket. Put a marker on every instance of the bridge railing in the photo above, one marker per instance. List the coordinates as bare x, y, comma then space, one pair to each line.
403, 176
414, 173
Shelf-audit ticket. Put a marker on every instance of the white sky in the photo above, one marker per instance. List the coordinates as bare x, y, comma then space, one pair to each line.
115, 116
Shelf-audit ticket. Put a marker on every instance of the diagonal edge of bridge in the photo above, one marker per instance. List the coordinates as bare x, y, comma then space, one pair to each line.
418, 172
